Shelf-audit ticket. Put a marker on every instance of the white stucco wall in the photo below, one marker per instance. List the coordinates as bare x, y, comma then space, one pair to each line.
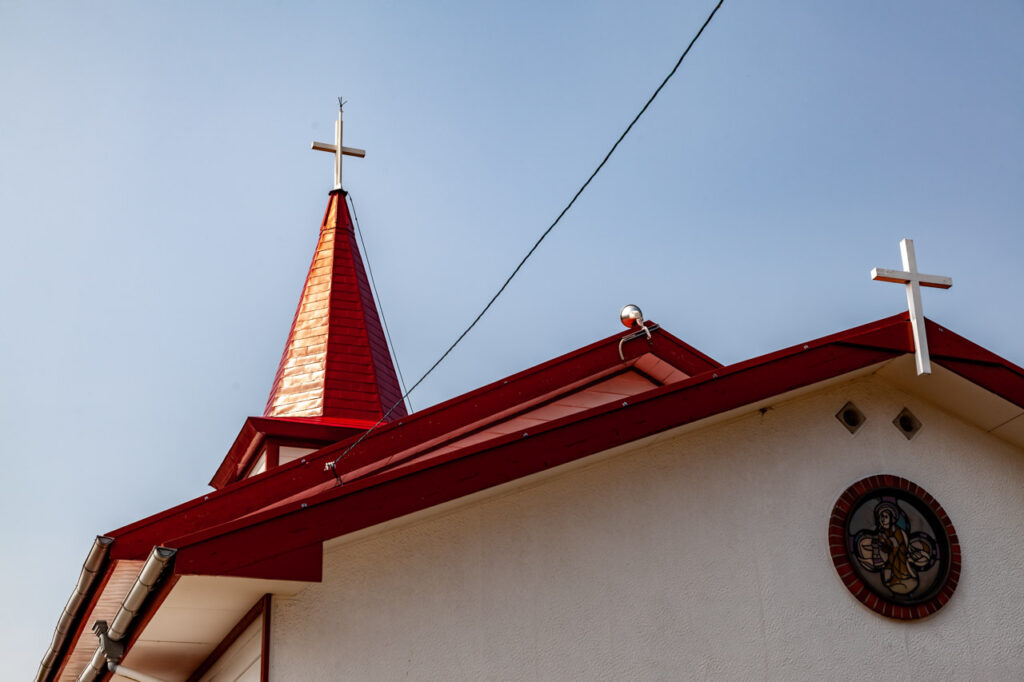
701, 556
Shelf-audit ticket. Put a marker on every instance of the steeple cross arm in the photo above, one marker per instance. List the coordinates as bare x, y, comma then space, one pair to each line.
333, 148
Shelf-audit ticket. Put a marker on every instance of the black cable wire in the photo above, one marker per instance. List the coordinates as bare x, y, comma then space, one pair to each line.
380, 304
333, 465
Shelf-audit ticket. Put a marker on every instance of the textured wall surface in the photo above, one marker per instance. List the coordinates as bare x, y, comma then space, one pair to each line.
703, 555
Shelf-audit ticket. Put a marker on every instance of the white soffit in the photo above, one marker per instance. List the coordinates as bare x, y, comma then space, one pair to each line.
197, 614
952, 393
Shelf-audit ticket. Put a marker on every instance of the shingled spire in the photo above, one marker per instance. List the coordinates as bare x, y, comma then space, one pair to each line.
336, 362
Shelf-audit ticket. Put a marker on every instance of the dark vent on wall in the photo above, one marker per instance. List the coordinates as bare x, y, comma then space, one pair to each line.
907, 423
851, 417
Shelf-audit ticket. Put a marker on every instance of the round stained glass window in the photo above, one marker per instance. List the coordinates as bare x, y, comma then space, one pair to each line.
894, 547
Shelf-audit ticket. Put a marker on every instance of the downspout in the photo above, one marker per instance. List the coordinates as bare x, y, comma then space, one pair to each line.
145, 583
87, 580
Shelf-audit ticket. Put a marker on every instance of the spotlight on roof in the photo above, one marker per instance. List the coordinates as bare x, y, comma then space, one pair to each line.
631, 316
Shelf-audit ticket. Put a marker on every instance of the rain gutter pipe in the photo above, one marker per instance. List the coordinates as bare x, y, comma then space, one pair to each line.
145, 583
87, 580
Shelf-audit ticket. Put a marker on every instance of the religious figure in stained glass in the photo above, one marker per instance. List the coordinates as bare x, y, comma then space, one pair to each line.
892, 550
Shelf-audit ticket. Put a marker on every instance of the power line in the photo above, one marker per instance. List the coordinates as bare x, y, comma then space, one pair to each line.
380, 304
333, 465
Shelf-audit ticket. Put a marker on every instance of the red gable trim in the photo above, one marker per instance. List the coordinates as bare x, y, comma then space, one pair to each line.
976, 364
249, 495
422, 484
405, 489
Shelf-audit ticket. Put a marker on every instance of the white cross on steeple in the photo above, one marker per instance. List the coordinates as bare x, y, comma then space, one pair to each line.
914, 281
337, 149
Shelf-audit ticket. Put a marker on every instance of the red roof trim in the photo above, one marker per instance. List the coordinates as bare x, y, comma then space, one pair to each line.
975, 363
199, 537
422, 484
250, 494
303, 563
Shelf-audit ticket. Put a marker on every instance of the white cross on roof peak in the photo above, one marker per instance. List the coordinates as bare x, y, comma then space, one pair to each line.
914, 280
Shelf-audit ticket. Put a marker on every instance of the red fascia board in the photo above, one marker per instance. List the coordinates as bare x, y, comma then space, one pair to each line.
943, 342
422, 484
246, 443
976, 364
304, 564
248, 495
135, 540
683, 356
950, 350
518, 389
577, 365
890, 333
1000, 380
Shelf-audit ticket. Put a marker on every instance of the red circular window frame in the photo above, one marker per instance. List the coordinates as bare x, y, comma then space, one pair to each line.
846, 503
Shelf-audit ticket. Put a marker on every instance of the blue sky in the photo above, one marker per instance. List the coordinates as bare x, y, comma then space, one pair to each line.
159, 205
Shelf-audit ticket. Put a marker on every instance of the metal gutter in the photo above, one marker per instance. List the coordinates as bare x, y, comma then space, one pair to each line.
145, 583
66, 624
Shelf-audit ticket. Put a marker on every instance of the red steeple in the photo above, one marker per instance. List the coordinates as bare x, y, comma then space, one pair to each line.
336, 361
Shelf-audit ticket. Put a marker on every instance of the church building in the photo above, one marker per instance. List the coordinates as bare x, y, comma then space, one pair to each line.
847, 508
